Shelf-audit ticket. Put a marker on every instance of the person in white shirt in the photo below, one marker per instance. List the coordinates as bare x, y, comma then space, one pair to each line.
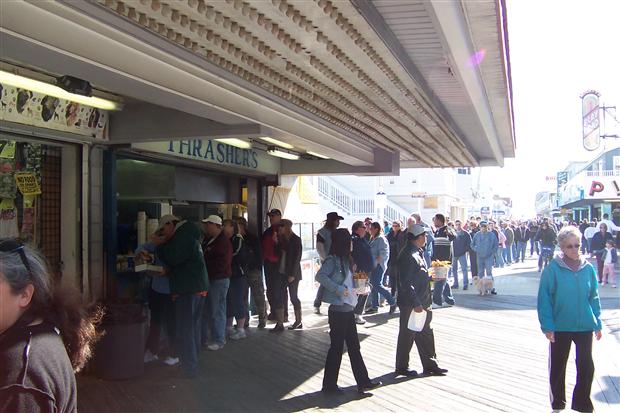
588, 234
610, 224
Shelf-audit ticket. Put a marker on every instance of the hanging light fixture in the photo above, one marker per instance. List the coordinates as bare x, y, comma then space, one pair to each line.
273, 151
318, 155
55, 91
276, 142
237, 143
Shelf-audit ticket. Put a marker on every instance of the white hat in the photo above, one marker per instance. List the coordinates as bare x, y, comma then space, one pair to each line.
214, 219
416, 229
167, 219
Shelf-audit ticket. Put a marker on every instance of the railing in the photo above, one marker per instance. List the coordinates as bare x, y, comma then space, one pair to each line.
615, 172
351, 204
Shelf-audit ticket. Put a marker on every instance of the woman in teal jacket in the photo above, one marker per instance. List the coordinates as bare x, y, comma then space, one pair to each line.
569, 310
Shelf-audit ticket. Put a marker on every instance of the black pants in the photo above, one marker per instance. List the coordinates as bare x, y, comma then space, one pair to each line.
273, 280
293, 288
319, 296
162, 315
343, 329
585, 370
424, 341
473, 261
599, 267
361, 304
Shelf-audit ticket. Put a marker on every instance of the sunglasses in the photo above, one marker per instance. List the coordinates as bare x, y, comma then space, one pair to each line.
11, 246
572, 246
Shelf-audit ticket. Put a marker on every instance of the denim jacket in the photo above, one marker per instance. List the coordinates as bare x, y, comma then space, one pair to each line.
332, 276
380, 248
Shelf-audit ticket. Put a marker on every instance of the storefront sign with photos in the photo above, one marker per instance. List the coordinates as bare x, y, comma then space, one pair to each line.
214, 152
35, 109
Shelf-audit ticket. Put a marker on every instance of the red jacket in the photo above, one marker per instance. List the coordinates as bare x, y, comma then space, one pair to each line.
271, 252
218, 257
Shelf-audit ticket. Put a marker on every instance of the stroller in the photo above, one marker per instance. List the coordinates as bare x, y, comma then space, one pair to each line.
546, 255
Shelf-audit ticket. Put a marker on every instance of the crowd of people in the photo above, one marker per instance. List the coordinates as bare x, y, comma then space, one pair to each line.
201, 297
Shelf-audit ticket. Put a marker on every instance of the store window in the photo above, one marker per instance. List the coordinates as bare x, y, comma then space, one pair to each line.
30, 196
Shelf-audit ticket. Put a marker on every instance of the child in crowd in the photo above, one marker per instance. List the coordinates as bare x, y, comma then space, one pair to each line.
609, 262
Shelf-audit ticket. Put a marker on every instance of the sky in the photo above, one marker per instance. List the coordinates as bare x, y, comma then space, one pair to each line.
558, 50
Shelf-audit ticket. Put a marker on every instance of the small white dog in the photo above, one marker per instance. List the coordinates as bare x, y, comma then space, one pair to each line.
484, 285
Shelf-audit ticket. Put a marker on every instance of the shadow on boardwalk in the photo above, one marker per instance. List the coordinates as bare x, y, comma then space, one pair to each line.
491, 341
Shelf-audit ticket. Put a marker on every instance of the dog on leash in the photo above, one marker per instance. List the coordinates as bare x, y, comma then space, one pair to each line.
484, 285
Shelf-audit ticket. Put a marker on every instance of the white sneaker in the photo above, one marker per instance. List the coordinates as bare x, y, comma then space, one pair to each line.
238, 335
148, 356
359, 319
215, 347
171, 361
435, 306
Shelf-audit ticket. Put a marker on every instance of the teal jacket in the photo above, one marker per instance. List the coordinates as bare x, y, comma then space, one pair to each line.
182, 256
568, 300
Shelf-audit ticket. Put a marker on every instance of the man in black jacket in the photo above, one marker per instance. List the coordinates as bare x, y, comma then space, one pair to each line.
290, 269
522, 236
442, 251
415, 295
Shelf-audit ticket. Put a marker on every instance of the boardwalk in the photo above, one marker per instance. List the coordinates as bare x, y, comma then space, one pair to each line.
495, 353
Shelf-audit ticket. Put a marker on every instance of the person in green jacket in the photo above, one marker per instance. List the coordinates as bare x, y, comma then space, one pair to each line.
569, 310
179, 249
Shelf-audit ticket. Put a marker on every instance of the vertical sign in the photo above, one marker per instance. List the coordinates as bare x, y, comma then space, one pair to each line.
590, 120
562, 179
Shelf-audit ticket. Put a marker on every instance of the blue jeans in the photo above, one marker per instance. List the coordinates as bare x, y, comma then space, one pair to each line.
441, 292
534, 246
521, 248
507, 254
455, 270
377, 288
499, 260
188, 313
515, 250
485, 266
214, 321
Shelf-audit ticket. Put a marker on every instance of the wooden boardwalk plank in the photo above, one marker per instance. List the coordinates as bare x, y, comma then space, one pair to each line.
492, 346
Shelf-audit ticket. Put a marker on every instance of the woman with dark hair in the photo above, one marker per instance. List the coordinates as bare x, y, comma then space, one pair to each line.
336, 277
45, 335
381, 254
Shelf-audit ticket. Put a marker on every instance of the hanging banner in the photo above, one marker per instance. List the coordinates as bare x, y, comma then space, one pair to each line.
27, 183
36, 109
590, 120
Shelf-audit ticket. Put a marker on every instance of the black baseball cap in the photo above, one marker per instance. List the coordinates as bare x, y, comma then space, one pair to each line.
274, 212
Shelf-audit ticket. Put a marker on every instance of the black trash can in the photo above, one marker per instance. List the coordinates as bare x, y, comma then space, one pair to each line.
119, 354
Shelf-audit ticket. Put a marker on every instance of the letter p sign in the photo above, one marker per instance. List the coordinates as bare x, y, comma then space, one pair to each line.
596, 187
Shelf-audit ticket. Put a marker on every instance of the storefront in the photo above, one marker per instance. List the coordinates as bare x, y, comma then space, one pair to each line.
44, 170
191, 179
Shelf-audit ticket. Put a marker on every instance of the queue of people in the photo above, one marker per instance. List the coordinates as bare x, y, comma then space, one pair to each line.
208, 276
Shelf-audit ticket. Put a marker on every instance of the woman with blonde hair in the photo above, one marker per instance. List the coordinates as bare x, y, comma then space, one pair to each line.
569, 310
45, 335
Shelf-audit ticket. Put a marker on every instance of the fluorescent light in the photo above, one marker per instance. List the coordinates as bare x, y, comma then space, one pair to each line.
282, 154
238, 143
51, 90
318, 155
277, 142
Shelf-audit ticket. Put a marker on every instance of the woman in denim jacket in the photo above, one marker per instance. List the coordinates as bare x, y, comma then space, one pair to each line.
336, 277
381, 254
